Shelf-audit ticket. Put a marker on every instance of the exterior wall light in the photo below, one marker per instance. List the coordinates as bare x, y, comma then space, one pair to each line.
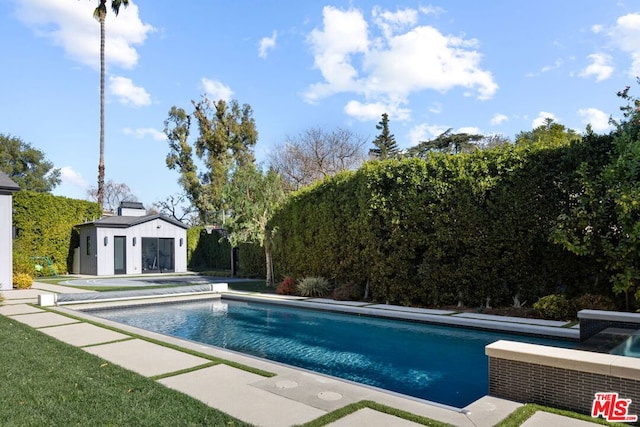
106, 240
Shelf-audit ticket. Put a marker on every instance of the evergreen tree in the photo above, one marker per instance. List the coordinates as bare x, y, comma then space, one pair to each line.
385, 143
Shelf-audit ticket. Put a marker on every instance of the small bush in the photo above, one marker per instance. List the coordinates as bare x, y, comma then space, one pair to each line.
313, 287
349, 291
22, 281
555, 307
287, 287
594, 302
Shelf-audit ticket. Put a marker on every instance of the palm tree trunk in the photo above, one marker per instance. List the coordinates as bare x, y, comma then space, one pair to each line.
100, 195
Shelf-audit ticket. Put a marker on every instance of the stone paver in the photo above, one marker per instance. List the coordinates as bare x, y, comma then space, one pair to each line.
22, 294
11, 310
371, 418
81, 334
43, 319
145, 358
546, 419
314, 390
489, 411
230, 390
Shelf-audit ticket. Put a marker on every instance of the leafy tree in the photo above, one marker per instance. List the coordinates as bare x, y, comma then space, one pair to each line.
100, 14
551, 134
446, 142
227, 135
604, 220
492, 141
113, 194
252, 197
27, 166
385, 143
316, 154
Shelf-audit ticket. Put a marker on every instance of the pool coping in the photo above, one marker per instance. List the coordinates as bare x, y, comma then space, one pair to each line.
484, 322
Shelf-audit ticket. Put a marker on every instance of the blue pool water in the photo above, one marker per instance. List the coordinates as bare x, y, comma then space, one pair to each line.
437, 363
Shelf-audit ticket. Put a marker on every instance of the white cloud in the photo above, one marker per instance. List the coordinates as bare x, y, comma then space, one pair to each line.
267, 43
598, 119
216, 90
626, 35
344, 34
546, 68
392, 22
425, 132
70, 25
471, 130
600, 67
127, 92
371, 111
498, 119
69, 176
405, 59
542, 118
141, 133
597, 28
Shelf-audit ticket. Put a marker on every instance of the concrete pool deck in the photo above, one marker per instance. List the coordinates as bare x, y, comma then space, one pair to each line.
292, 396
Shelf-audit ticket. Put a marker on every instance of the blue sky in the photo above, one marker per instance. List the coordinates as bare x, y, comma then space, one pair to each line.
491, 67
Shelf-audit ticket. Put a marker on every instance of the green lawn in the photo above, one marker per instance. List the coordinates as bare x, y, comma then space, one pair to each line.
44, 382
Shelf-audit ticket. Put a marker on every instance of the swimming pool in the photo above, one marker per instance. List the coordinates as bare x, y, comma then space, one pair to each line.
442, 364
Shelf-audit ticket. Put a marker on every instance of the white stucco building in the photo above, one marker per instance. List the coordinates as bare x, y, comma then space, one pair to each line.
7, 188
132, 243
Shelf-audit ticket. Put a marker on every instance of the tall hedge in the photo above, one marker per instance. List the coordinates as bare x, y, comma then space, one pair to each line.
447, 229
44, 226
207, 251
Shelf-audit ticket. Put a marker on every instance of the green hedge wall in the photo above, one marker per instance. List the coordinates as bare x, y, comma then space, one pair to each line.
44, 226
211, 252
207, 251
446, 229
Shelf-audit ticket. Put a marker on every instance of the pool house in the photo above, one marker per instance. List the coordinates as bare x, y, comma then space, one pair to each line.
131, 242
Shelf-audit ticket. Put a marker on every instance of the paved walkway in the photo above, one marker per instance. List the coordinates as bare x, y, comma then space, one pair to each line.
290, 397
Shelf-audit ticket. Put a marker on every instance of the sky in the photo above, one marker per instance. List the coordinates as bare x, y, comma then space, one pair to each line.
488, 67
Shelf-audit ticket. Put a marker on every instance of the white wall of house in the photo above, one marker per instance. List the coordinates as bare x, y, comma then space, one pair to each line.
102, 259
6, 242
88, 251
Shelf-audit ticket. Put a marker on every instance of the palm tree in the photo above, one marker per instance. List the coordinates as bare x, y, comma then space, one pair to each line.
100, 13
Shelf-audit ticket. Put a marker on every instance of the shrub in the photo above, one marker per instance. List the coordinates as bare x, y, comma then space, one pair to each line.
555, 307
349, 291
594, 302
313, 287
287, 287
22, 281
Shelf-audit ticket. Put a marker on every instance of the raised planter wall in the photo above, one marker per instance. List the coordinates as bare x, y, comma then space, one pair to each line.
594, 321
558, 377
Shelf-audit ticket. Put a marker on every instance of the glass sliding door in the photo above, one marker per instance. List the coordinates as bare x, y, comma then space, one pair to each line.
157, 255
119, 255
165, 254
